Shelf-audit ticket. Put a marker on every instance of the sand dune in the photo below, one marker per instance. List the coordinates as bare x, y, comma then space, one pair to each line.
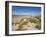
28, 26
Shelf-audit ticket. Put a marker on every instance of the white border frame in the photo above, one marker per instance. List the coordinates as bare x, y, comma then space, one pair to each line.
24, 32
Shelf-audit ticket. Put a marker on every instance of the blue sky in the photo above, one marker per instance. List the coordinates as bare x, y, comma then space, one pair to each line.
25, 10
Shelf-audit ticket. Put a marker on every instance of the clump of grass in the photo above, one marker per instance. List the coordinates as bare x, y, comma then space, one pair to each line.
38, 27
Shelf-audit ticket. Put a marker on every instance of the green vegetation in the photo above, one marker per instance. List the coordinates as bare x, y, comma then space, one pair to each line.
38, 26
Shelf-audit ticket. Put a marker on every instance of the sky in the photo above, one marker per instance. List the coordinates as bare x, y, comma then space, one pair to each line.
25, 10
